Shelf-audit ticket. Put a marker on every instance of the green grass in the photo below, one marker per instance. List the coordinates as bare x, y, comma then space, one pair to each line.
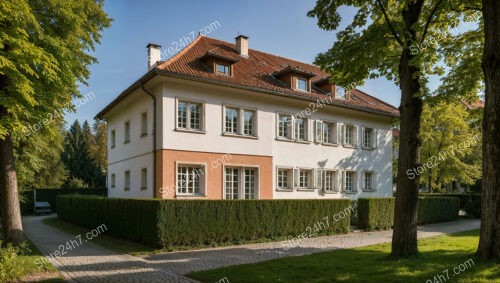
112, 243
369, 264
29, 267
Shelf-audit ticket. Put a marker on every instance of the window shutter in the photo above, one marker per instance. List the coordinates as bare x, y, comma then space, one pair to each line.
375, 137
318, 178
319, 131
355, 135
343, 181
277, 125
296, 177
341, 134
307, 130
335, 133
362, 137
338, 181
291, 127
323, 175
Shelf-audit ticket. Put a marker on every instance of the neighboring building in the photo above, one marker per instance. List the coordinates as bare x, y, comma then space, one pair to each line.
221, 121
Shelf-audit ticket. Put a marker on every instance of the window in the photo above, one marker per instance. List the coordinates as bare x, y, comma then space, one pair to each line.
302, 84
284, 179
144, 124
326, 132
113, 180
350, 181
301, 129
369, 138
113, 138
330, 181
190, 179
127, 132
239, 121
127, 181
304, 178
284, 126
231, 120
240, 183
189, 115
350, 135
223, 69
368, 181
144, 179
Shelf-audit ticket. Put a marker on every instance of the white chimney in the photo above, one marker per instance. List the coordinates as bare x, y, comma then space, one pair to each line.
242, 45
154, 54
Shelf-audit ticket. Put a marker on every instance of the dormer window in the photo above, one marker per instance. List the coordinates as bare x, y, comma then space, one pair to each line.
301, 84
223, 69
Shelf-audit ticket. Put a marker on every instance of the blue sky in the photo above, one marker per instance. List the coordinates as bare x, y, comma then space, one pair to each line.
277, 27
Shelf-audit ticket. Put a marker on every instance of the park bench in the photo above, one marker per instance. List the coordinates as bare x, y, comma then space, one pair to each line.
42, 207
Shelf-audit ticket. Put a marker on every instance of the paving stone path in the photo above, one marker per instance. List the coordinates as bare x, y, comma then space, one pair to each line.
92, 263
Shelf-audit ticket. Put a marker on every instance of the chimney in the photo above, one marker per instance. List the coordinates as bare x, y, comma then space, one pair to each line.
154, 54
242, 45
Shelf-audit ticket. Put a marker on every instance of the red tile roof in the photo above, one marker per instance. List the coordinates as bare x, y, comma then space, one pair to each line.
473, 105
255, 72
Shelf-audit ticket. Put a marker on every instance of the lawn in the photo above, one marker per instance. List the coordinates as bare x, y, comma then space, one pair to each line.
438, 256
29, 269
112, 243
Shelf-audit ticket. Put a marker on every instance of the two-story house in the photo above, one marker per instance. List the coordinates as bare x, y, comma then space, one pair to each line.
221, 121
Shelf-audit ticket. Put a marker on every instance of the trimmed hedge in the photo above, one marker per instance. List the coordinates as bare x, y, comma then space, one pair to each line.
168, 223
378, 213
464, 198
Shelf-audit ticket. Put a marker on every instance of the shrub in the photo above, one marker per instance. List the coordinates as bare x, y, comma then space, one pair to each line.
464, 198
9, 262
354, 214
378, 213
375, 213
473, 208
169, 223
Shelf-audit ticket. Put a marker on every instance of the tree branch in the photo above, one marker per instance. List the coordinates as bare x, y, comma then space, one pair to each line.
391, 27
429, 20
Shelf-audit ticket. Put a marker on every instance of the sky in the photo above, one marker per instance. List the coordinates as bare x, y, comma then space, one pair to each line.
277, 27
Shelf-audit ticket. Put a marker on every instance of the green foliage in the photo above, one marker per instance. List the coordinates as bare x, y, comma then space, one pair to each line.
200, 222
473, 208
464, 198
75, 183
450, 145
375, 213
378, 213
10, 261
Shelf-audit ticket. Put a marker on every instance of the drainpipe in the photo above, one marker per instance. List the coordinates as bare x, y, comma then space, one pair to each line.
154, 134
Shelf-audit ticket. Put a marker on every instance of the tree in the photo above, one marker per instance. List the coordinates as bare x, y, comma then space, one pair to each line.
387, 39
448, 142
99, 146
43, 57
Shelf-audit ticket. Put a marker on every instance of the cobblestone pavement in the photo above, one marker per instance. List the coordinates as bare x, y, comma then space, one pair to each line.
92, 263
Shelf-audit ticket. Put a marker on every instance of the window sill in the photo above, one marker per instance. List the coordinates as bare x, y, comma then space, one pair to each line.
369, 191
349, 146
284, 190
113, 187
330, 144
284, 139
369, 148
306, 189
144, 188
302, 141
144, 135
330, 192
127, 189
190, 131
126, 142
113, 147
240, 136
350, 193
190, 196
292, 140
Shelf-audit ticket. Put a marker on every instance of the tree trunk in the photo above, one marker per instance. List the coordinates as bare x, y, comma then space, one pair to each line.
404, 237
489, 246
12, 228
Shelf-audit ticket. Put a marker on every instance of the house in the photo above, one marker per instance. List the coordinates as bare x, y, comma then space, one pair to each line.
221, 121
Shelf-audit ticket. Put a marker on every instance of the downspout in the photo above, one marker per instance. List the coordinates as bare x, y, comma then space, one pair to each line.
154, 135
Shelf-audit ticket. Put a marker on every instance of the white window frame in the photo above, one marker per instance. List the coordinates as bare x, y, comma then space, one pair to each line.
144, 179
228, 66
292, 128
297, 79
373, 137
113, 138
189, 127
144, 124
290, 178
113, 181
203, 179
296, 132
354, 138
320, 132
126, 180
240, 129
310, 178
241, 179
126, 132
373, 181
334, 183
355, 182
289, 126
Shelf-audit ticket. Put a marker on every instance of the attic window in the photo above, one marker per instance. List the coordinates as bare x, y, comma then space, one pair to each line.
223, 69
301, 84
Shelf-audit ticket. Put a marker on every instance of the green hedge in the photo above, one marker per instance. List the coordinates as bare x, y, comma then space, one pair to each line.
168, 223
378, 213
464, 198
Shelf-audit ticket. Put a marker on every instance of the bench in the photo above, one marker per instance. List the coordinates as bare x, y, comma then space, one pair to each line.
42, 207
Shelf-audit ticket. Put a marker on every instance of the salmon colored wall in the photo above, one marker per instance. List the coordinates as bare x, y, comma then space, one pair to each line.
165, 176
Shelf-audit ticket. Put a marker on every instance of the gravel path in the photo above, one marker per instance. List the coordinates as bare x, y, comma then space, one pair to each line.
92, 263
